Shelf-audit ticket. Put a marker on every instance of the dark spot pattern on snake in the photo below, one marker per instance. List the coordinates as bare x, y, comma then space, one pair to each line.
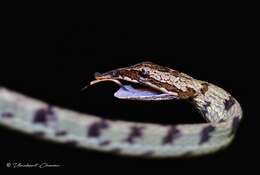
235, 124
94, 130
7, 115
44, 115
229, 103
204, 110
136, 132
172, 134
205, 134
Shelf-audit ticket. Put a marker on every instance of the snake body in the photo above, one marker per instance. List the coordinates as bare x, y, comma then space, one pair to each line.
221, 111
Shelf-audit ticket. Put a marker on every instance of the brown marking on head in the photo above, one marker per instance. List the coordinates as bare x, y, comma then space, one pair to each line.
156, 66
204, 89
171, 88
132, 74
164, 85
190, 93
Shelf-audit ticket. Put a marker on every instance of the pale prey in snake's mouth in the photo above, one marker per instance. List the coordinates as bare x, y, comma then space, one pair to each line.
133, 89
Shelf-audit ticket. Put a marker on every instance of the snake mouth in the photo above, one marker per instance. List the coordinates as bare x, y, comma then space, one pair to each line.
133, 90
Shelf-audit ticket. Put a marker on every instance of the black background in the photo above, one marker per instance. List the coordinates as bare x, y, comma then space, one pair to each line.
52, 56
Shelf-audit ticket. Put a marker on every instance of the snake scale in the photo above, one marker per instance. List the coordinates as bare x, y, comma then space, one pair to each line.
221, 111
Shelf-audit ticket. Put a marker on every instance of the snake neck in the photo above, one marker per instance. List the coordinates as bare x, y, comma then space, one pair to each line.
216, 105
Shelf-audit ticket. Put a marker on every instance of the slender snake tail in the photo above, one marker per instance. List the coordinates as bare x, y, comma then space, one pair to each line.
221, 111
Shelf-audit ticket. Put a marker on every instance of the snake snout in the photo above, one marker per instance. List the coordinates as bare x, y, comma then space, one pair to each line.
97, 74
106, 75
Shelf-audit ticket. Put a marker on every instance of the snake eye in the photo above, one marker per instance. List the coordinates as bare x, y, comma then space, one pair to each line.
144, 73
113, 73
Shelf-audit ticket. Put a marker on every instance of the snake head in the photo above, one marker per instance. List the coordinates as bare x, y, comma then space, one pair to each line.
138, 73
152, 76
131, 74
